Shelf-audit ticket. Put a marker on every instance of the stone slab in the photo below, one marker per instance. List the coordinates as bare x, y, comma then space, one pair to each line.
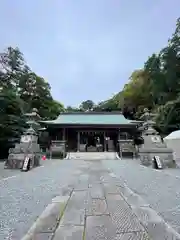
47, 222
129, 196
112, 188
94, 179
84, 177
73, 217
96, 207
99, 228
122, 216
66, 190
155, 225
96, 191
133, 236
132, 198
39, 236
111, 178
60, 199
75, 209
69, 232
81, 186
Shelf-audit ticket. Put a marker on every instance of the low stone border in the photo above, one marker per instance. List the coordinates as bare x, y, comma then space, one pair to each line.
46, 224
154, 224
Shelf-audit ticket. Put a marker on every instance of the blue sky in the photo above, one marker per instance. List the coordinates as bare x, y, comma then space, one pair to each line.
86, 49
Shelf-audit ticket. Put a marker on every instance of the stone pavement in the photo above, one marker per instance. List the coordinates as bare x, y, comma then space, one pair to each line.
160, 188
98, 205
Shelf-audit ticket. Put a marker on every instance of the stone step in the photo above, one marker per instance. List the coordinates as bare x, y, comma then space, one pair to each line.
92, 155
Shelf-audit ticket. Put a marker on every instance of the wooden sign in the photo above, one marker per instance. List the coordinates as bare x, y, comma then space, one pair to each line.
158, 162
25, 164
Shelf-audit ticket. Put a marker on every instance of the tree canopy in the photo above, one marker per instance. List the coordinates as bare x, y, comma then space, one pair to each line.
21, 90
156, 86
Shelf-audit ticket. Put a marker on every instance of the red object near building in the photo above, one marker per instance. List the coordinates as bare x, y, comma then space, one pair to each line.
43, 157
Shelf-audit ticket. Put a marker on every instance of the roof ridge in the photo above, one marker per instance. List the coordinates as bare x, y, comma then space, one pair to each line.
92, 113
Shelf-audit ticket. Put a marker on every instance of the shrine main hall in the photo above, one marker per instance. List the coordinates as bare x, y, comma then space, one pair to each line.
97, 131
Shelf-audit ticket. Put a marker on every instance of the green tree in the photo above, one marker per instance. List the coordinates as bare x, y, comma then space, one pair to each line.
11, 67
168, 118
156, 80
21, 90
73, 109
12, 121
87, 105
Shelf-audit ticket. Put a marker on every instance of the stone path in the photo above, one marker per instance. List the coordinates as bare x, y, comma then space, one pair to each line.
161, 189
99, 206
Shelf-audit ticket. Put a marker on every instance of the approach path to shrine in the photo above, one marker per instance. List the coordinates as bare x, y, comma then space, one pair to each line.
24, 197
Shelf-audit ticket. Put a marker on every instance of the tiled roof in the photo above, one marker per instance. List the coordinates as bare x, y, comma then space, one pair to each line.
90, 119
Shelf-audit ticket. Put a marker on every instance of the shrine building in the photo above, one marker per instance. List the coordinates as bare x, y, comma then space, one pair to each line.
102, 130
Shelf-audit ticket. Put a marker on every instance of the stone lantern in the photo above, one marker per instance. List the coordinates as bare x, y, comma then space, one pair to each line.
28, 147
154, 151
33, 118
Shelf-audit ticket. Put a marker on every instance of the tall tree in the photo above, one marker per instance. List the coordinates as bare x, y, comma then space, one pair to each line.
156, 81
87, 105
11, 66
12, 120
20, 91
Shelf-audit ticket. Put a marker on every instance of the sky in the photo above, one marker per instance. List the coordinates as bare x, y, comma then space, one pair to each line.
86, 49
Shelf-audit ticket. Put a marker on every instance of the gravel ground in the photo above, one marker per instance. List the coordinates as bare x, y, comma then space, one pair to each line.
24, 197
4, 173
160, 188
7, 173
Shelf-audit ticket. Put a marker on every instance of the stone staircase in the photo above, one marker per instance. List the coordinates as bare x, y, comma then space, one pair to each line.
92, 155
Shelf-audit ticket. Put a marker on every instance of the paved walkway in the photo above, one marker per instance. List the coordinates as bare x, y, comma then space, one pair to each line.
89, 202
160, 188
99, 206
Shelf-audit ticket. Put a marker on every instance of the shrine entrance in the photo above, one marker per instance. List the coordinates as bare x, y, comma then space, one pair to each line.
96, 141
91, 141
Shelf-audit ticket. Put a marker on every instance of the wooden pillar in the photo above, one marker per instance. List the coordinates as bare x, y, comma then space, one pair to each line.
64, 134
104, 141
119, 134
78, 141
120, 149
64, 139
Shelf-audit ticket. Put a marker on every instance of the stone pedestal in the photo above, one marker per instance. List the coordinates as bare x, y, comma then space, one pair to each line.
165, 155
127, 148
153, 146
58, 149
27, 147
